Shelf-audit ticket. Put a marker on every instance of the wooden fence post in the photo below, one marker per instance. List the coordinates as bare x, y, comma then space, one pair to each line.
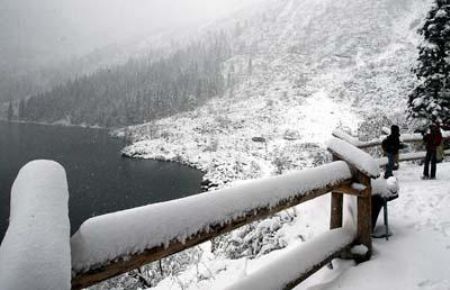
364, 209
337, 201
365, 214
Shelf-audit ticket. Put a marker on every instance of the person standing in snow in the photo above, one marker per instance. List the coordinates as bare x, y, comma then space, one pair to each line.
432, 139
391, 145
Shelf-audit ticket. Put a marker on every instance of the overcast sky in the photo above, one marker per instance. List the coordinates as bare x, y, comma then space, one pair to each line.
46, 29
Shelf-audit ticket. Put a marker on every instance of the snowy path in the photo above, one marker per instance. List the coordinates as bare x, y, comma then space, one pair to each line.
418, 254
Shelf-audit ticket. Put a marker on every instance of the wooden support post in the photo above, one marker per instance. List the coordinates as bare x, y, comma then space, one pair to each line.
365, 215
337, 201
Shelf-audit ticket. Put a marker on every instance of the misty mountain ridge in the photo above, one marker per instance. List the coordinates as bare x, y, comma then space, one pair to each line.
280, 49
46, 43
22, 78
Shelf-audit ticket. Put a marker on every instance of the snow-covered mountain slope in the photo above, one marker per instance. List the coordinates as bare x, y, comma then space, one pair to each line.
300, 68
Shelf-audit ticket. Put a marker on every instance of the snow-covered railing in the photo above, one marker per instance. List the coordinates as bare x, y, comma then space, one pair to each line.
35, 252
296, 265
355, 141
111, 244
359, 159
108, 245
405, 138
288, 270
364, 169
408, 157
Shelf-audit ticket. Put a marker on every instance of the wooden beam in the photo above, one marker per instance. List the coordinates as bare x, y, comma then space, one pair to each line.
408, 157
364, 226
348, 189
356, 166
337, 201
104, 272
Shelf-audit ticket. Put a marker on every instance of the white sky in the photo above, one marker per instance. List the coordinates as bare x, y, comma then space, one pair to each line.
32, 28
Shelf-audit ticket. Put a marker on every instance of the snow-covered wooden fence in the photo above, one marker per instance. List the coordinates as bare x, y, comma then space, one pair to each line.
35, 252
405, 138
108, 245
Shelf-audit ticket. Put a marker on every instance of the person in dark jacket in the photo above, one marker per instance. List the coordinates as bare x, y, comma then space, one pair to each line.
432, 139
391, 145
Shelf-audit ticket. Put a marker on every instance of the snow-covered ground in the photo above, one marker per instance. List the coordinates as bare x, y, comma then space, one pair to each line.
417, 255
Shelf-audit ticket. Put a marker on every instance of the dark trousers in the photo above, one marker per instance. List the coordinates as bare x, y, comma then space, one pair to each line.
389, 165
377, 204
430, 157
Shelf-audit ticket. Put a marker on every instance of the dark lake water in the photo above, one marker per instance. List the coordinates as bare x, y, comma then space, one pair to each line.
100, 179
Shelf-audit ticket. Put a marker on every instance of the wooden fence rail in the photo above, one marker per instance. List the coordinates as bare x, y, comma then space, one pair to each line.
299, 193
101, 249
35, 252
405, 138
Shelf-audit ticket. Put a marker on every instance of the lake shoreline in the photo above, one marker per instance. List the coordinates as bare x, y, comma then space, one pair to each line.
100, 179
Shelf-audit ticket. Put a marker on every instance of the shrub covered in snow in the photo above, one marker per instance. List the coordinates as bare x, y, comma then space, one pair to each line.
150, 275
255, 239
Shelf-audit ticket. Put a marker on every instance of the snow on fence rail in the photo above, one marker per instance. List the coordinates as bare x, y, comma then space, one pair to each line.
408, 157
35, 252
361, 160
111, 244
405, 138
108, 245
289, 269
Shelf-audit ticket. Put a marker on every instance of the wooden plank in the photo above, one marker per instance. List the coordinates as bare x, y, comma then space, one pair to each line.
368, 144
408, 157
364, 226
337, 201
346, 137
104, 272
404, 138
358, 167
348, 189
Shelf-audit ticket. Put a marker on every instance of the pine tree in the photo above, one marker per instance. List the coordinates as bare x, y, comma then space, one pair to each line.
10, 111
21, 114
430, 99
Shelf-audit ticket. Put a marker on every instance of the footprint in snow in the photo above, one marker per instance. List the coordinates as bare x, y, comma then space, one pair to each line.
434, 285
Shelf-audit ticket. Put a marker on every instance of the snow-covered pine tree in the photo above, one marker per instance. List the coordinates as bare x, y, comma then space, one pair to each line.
430, 98
10, 111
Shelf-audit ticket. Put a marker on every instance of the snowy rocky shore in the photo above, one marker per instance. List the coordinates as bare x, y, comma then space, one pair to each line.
239, 141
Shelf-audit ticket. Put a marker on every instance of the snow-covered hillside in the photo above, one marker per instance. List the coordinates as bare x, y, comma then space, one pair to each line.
301, 68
